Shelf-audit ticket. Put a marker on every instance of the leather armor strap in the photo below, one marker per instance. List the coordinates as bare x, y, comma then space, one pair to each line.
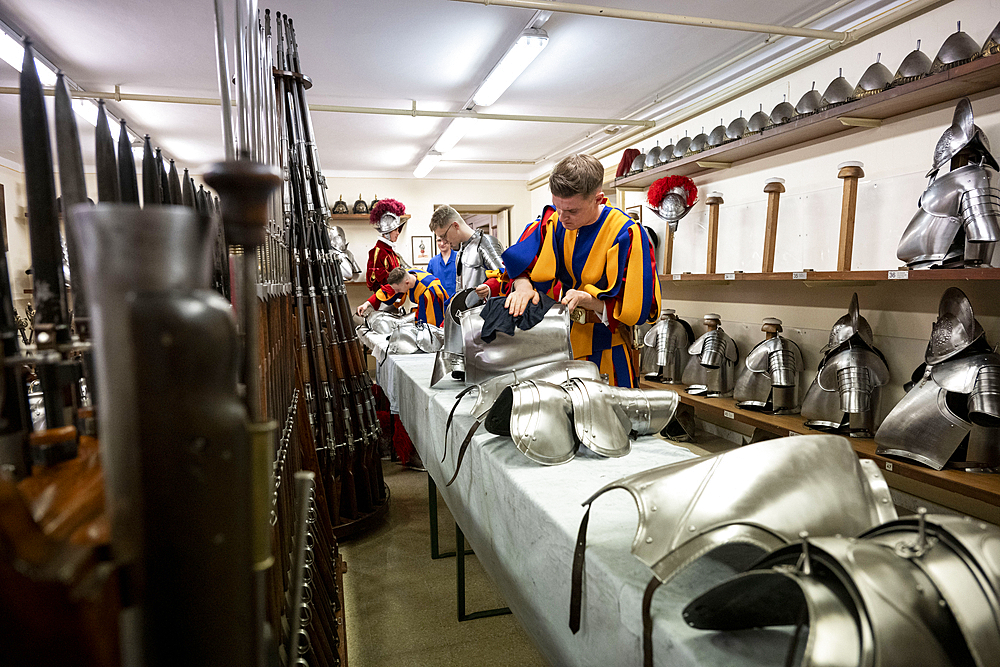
647, 622
576, 588
465, 446
451, 415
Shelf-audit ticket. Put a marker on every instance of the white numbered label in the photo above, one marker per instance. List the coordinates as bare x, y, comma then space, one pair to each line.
730, 276
677, 276
728, 415
899, 275
888, 466
800, 275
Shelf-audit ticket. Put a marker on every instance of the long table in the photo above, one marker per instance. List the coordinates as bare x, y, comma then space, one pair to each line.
522, 518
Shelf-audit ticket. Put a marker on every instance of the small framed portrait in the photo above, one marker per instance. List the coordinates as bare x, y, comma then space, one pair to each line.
423, 249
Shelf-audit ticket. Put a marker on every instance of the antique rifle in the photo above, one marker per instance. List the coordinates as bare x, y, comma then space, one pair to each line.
127, 180
108, 189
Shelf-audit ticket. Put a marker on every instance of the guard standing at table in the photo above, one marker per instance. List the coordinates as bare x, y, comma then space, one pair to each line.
603, 259
387, 217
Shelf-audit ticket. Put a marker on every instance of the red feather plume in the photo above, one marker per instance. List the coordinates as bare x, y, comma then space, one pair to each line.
385, 206
659, 189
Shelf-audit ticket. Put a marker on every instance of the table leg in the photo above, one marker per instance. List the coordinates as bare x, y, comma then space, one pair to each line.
432, 506
460, 579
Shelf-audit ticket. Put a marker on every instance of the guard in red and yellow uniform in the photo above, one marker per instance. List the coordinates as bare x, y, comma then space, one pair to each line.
387, 217
602, 258
423, 289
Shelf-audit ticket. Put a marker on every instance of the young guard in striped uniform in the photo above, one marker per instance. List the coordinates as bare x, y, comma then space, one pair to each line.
423, 289
601, 257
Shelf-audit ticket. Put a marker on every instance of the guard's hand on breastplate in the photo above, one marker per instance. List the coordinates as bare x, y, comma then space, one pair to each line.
483, 291
519, 297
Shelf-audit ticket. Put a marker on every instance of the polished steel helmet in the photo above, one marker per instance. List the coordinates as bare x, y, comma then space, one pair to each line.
963, 134
758, 121
956, 327
915, 65
340, 208
737, 128
653, 157
717, 137
838, 92
850, 325
671, 198
666, 154
875, 79
387, 215
681, 147
360, 207
811, 102
638, 164
699, 143
782, 113
957, 49
338, 237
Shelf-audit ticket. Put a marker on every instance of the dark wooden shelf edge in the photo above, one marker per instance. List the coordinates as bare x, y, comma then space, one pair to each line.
357, 216
837, 276
982, 487
973, 77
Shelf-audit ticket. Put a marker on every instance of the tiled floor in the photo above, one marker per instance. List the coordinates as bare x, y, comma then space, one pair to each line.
400, 604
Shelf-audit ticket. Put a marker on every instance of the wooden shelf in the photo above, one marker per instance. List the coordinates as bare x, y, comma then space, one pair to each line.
972, 77
834, 277
983, 487
357, 216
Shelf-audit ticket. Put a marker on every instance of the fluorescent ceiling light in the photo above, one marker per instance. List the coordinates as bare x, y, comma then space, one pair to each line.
12, 52
452, 134
426, 164
518, 57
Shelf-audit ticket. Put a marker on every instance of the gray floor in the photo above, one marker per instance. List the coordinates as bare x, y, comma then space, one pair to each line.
400, 604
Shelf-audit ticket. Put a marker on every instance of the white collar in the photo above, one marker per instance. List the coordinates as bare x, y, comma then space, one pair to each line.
386, 241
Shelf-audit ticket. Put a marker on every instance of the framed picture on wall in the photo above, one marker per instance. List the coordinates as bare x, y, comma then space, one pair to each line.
423, 249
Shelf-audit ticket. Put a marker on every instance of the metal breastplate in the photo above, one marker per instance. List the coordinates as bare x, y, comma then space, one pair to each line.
711, 369
664, 354
961, 198
925, 427
689, 508
878, 609
845, 392
546, 342
476, 256
349, 268
770, 375
960, 556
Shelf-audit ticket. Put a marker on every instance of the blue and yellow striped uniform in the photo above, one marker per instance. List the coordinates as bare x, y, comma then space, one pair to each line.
428, 295
611, 259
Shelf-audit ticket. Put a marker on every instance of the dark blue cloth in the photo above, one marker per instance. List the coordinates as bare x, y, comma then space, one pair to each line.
444, 271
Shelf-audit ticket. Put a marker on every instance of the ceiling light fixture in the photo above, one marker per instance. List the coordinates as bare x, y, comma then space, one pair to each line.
453, 134
527, 47
427, 163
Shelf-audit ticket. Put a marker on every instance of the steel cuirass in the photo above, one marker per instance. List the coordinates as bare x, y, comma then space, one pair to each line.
844, 395
711, 370
415, 337
481, 253
769, 379
545, 342
664, 352
962, 200
762, 495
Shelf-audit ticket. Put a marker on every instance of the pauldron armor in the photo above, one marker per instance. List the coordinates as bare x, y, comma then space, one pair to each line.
450, 359
770, 377
747, 496
844, 395
921, 590
548, 422
711, 369
415, 337
481, 253
664, 352
957, 392
959, 217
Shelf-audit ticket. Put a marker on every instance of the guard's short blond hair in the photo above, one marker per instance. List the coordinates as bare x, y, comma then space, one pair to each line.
578, 174
396, 276
444, 216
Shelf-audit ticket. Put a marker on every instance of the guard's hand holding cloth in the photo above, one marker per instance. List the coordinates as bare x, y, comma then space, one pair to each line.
519, 297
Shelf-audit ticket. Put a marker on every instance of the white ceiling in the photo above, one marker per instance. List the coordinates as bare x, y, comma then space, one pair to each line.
388, 53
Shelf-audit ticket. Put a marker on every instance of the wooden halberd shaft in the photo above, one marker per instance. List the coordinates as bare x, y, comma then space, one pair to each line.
849, 172
714, 200
773, 188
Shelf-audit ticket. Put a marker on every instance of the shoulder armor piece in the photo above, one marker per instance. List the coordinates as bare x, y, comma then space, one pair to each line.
555, 372
536, 415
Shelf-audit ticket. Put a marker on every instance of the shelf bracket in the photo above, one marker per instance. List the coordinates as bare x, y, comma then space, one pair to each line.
708, 164
851, 121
